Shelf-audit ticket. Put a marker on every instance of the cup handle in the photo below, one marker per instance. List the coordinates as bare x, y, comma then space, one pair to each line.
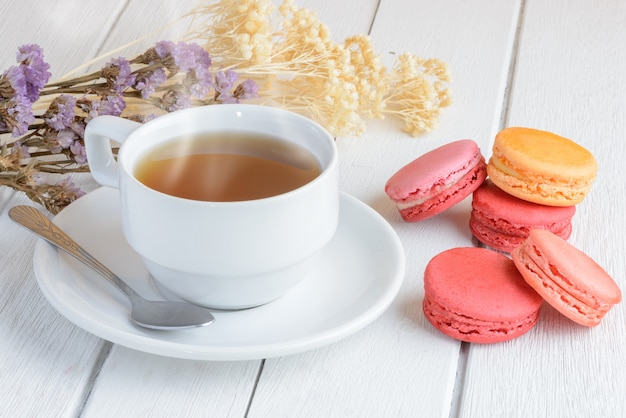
98, 133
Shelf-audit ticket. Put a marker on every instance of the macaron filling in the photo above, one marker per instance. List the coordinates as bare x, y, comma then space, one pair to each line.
477, 295
466, 176
543, 182
556, 288
562, 228
541, 167
464, 328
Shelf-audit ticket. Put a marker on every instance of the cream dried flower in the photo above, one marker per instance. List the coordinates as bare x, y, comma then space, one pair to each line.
297, 65
419, 90
236, 33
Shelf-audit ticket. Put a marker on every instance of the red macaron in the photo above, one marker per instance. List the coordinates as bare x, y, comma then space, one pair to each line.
503, 221
437, 180
477, 295
566, 278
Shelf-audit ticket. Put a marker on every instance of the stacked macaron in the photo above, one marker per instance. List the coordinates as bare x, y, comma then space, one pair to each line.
502, 221
524, 207
536, 179
541, 167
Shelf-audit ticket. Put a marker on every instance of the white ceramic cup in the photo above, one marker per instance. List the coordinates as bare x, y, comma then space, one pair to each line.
225, 255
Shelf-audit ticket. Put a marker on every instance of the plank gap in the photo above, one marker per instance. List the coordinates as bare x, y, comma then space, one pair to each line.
508, 89
369, 30
116, 20
103, 354
459, 381
254, 387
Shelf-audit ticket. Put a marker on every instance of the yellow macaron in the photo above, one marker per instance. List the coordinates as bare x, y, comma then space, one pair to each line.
541, 167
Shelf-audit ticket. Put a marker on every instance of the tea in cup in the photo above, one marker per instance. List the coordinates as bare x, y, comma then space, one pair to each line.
228, 205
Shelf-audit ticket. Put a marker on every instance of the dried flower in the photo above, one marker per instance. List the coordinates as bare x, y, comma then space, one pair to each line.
147, 82
47, 120
35, 70
61, 112
418, 92
296, 65
119, 75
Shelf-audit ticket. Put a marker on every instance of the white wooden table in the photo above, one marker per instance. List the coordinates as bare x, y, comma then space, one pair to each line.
557, 65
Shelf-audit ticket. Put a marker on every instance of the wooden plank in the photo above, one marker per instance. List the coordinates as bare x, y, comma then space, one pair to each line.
565, 85
399, 365
133, 383
46, 363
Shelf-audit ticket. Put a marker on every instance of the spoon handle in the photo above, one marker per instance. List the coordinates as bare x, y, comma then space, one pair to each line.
37, 222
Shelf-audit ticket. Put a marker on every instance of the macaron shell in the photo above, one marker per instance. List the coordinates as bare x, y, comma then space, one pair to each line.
541, 167
503, 221
446, 198
477, 295
431, 172
437, 180
566, 277
500, 241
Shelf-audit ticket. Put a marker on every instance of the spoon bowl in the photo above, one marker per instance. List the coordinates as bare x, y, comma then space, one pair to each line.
161, 315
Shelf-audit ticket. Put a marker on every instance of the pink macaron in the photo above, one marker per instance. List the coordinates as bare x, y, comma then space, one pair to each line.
437, 180
477, 295
566, 278
503, 222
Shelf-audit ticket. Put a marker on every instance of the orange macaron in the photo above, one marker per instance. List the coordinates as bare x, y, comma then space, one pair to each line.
541, 167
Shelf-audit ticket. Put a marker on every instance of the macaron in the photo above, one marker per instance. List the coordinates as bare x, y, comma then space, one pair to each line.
477, 295
437, 180
503, 221
566, 278
541, 167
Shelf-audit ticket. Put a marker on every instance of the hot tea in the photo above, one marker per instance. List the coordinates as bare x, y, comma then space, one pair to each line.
226, 167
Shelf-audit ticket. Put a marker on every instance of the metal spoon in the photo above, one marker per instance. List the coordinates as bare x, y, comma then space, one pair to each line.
162, 315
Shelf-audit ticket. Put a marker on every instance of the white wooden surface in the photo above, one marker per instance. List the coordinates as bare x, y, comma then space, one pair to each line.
556, 65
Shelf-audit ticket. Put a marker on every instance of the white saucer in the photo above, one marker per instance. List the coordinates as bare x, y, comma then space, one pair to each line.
358, 276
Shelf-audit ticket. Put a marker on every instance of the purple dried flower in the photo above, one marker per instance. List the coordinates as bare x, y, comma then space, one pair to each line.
109, 105
24, 83
199, 77
20, 151
70, 190
200, 87
186, 56
224, 80
147, 82
164, 48
78, 151
226, 98
65, 138
246, 90
35, 69
60, 113
16, 115
57, 141
78, 127
202, 57
120, 74
176, 100
16, 83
